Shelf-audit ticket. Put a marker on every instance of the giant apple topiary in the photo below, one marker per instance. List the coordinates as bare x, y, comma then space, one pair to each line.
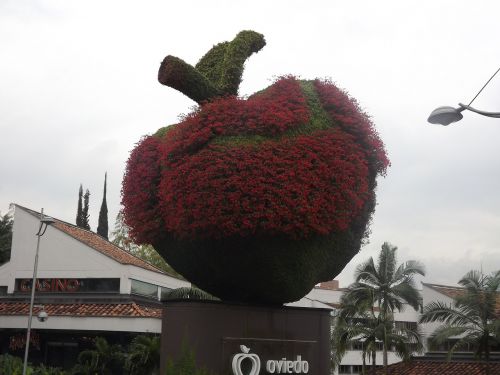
254, 200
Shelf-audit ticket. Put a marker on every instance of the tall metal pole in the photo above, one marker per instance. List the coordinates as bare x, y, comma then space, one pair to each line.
33, 287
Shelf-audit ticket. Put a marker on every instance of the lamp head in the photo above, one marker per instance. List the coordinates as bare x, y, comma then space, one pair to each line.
42, 316
445, 115
47, 220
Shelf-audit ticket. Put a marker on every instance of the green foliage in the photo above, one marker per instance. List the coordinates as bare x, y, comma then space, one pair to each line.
218, 72
11, 365
185, 365
236, 53
319, 117
79, 209
104, 359
472, 319
5, 237
143, 356
120, 237
82, 213
85, 211
181, 76
102, 228
296, 263
42, 370
189, 293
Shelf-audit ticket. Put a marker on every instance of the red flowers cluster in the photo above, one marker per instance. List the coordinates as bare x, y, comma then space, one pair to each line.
345, 112
233, 169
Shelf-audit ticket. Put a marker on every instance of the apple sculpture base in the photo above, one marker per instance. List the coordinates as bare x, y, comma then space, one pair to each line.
237, 339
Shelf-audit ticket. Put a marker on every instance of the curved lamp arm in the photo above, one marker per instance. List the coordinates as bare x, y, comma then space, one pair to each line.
488, 114
449, 115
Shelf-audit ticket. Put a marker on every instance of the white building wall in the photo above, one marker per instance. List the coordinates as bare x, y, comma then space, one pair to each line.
431, 295
115, 324
62, 256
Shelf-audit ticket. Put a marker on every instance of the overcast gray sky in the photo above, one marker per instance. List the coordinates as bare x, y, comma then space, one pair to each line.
78, 88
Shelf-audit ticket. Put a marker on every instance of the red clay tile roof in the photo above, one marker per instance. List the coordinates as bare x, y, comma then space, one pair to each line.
130, 309
103, 246
416, 367
450, 291
98, 243
455, 291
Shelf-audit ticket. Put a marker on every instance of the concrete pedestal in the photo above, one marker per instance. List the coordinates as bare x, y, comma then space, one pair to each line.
237, 339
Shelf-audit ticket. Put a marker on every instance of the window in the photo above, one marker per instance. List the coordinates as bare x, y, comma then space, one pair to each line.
3, 290
357, 369
144, 289
406, 325
104, 285
344, 369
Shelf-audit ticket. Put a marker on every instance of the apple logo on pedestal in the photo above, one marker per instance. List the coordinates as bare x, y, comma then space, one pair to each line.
239, 358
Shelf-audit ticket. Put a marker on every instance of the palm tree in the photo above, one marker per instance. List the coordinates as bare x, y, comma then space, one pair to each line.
349, 329
360, 324
144, 356
105, 359
472, 319
387, 287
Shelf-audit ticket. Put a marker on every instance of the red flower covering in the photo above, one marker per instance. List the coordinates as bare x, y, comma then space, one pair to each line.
345, 112
249, 167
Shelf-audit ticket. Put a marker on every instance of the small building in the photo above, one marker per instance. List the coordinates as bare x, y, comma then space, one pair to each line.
88, 286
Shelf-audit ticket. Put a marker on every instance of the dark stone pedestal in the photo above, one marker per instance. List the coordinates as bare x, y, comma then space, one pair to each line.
238, 339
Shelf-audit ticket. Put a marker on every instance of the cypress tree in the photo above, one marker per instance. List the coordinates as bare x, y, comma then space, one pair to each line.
79, 209
102, 228
85, 211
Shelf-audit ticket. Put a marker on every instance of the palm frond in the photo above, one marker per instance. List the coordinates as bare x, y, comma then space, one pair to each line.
441, 312
407, 292
188, 293
473, 280
387, 262
367, 272
409, 269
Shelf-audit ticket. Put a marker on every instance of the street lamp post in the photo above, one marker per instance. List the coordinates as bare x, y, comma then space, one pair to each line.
448, 115
41, 231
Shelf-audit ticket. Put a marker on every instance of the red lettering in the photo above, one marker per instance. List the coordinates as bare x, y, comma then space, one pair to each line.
50, 285
72, 285
25, 285
45, 286
60, 285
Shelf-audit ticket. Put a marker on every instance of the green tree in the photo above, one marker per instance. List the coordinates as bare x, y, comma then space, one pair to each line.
5, 237
79, 207
387, 286
185, 364
120, 237
85, 211
472, 319
102, 228
144, 356
360, 324
104, 359
352, 328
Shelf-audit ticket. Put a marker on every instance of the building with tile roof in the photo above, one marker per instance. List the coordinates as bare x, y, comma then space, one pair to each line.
87, 285
427, 367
